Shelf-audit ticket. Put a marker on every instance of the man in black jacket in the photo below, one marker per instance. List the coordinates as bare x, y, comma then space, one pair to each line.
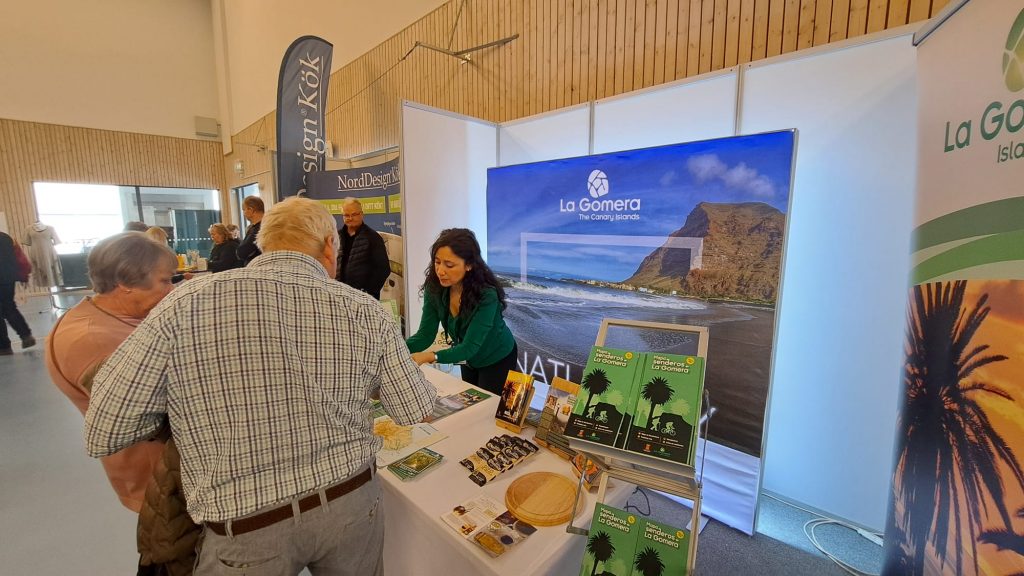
363, 260
252, 209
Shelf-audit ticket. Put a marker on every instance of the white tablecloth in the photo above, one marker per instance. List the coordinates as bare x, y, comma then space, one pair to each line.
417, 542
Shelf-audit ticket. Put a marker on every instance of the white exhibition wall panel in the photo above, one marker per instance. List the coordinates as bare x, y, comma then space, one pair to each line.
445, 158
833, 404
685, 112
561, 134
689, 111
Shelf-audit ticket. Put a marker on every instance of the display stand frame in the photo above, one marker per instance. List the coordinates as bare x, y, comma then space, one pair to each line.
665, 476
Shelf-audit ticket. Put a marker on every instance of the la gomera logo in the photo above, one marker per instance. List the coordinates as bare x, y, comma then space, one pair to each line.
999, 116
598, 208
1013, 56
597, 184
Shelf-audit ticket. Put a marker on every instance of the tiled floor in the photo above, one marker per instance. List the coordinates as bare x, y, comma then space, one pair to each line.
58, 514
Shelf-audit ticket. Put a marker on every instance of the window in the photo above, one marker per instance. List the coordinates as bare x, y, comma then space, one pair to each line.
186, 214
241, 193
83, 214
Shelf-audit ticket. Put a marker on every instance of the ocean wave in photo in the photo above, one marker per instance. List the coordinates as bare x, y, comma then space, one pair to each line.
573, 294
555, 323
563, 317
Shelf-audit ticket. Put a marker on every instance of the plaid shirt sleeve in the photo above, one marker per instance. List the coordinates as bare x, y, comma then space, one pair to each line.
129, 395
405, 393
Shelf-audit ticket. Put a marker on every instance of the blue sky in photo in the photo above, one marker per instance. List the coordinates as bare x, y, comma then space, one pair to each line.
669, 181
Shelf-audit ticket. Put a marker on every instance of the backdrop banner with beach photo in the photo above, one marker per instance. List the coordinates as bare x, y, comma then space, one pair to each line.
379, 189
957, 503
682, 234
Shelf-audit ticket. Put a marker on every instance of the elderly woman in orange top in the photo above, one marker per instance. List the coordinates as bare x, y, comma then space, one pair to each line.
130, 274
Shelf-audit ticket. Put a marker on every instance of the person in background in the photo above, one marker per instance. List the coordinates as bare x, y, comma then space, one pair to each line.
273, 425
130, 274
252, 209
363, 262
463, 295
233, 231
9, 313
223, 255
135, 226
159, 235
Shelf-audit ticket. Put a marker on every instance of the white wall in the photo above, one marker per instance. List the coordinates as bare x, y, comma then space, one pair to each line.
564, 133
445, 158
684, 111
835, 390
136, 66
257, 32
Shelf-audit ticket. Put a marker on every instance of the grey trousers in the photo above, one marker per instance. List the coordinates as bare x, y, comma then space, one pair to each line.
345, 538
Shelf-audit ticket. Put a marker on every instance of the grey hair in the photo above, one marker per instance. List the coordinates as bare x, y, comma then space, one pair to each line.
127, 259
297, 224
351, 200
222, 230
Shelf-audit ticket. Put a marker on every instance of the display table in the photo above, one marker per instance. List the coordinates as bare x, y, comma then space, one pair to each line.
418, 542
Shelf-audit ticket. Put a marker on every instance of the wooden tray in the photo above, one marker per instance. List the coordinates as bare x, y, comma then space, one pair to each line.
541, 498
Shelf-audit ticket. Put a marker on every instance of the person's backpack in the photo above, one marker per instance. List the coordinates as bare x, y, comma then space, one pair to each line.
22, 267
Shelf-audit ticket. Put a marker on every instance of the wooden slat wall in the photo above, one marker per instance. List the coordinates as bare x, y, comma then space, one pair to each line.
32, 152
568, 52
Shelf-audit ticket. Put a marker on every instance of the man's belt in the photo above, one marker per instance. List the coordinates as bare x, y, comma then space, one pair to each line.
283, 512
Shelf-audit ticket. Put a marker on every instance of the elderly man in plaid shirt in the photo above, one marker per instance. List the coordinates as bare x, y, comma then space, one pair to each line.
265, 375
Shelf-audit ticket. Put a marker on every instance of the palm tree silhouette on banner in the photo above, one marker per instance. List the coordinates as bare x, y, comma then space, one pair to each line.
596, 382
649, 562
1005, 539
949, 456
657, 392
600, 545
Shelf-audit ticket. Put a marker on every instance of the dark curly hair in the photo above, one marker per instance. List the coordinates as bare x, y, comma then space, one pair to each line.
463, 243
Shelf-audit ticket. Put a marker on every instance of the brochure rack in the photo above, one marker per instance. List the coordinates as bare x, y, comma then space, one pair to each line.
643, 470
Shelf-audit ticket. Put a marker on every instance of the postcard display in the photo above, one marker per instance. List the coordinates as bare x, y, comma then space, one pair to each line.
683, 234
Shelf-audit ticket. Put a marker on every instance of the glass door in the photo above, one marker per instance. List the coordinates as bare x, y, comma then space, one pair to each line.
241, 193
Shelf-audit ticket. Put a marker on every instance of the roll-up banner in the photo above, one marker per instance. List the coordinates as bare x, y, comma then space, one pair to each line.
682, 234
957, 504
301, 97
379, 190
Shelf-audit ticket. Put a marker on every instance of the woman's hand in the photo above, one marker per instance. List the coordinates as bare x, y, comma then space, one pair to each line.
422, 358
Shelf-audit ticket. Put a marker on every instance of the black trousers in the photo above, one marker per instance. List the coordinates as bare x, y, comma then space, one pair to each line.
9, 313
491, 378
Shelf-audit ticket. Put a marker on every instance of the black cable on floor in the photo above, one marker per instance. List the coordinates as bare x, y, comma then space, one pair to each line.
646, 499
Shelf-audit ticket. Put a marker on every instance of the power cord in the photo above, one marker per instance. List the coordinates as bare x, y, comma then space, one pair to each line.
811, 525
647, 499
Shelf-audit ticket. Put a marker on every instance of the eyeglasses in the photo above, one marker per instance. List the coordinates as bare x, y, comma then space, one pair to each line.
352, 215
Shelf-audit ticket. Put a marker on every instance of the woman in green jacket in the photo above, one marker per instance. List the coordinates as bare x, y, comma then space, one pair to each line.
463, 295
